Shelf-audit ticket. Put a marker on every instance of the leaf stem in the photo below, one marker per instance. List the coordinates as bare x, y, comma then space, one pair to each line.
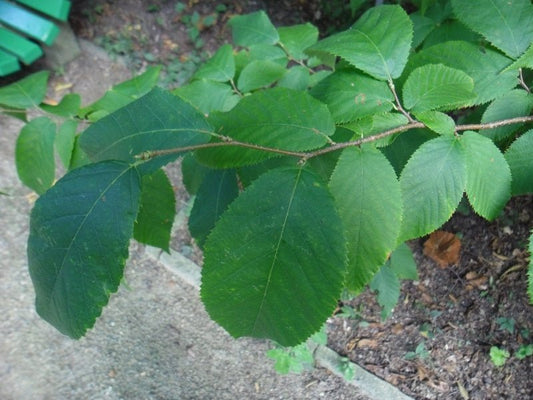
398, 105
521, 80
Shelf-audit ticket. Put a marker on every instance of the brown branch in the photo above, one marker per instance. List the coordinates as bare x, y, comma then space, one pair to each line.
304, 156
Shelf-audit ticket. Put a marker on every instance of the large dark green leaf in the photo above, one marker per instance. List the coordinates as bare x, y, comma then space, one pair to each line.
367, 194
488, 177
218, 189
508, 25
156, 121
156, 212
279, 118
378, 43
79, 235
432, 183
275, 262
34, 154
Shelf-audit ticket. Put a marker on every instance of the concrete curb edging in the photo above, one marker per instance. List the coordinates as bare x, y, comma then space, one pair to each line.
369, 384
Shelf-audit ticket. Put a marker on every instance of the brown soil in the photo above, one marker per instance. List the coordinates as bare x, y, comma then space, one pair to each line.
454, 315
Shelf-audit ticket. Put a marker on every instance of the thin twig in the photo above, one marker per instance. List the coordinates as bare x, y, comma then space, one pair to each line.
398, 105
521, 80
304, 156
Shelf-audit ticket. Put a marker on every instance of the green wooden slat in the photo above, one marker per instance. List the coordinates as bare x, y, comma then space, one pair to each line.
30, 24
8, 64
24, 49
55, 8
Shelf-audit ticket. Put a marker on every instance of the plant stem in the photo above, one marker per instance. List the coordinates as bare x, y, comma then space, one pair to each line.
304, 156
522, 82
398, 105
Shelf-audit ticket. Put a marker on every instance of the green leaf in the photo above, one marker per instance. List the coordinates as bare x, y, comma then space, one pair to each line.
279, 118
253, 29
432, 184
387, 286
368, 199
498, 356
79, 235
451, 30
403, 263
519, 158
220, 67
436, 86
296, 78
208, 96
156, 121
508, 25
156, 212
483, 65
525, 61
78, 158
25, 93
422, 26
259, 74
268, 52
530, 270
68, 107
218, 189
34, 154
378, 43
295, 39
437, 121
193, 173
488, 177
515, 103
122, 94
65, 139
351, 95
275, 268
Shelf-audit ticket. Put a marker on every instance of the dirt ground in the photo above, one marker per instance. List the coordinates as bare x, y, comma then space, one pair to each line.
436, 343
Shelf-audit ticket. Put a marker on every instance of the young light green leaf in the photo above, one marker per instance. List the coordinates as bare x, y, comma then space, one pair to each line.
69, 106
122, 94
259, 74
156, 121
208, 96
25, 93
295, 39
488, 177
436, 86
79, 235
64, 141
378, 43
34, 154
368, 199
287, 249
218, 189
253, 29
156, 212
268, 52
279, 118
403, 263
351, 95
515, 103
483, 65
525, 61
296, 78
387, 286
519, 158
437, 121
507, 25
432, 184
220, 67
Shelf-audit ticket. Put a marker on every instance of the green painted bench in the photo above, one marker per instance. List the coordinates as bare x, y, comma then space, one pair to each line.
26, 25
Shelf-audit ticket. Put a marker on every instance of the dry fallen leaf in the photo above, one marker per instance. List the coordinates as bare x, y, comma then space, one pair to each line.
443, 247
